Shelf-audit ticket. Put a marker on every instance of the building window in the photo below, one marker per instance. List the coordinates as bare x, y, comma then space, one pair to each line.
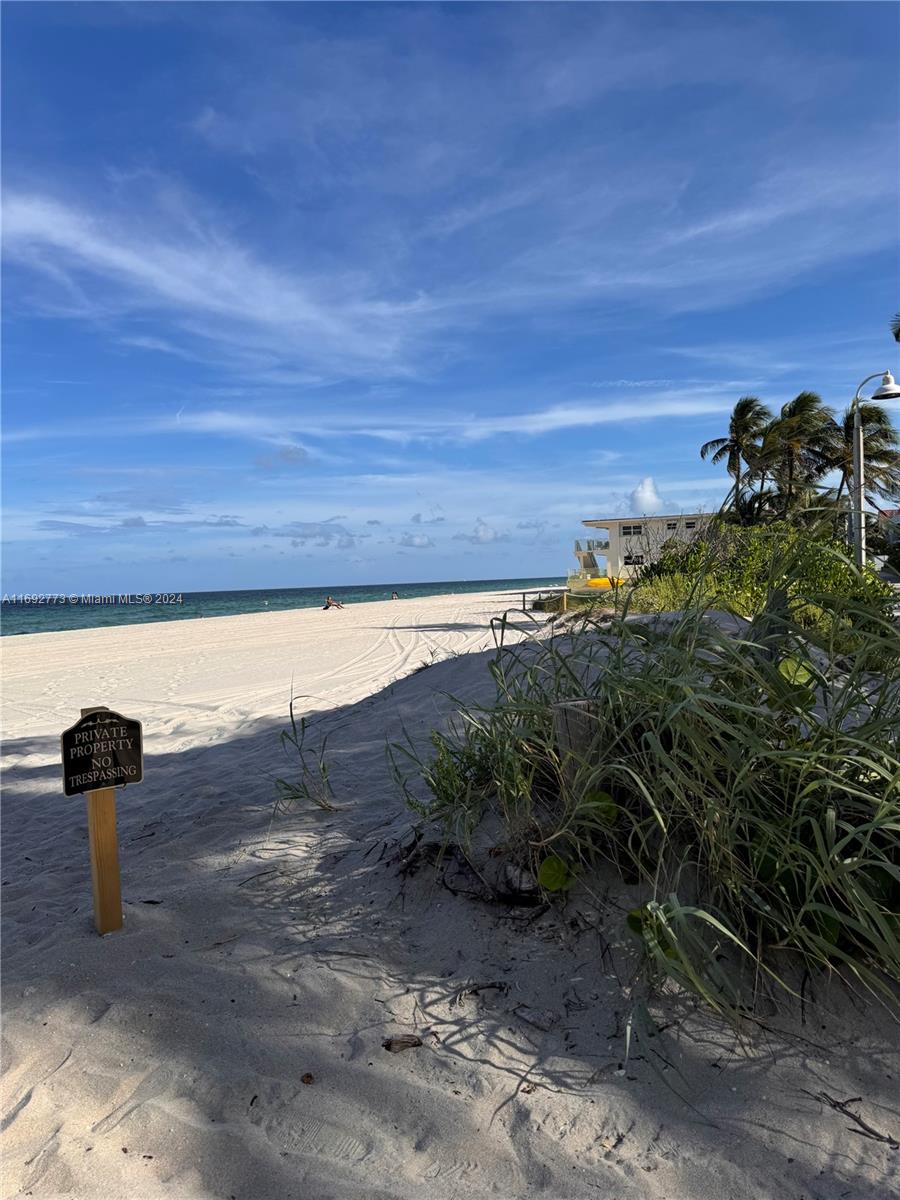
632, 530
671, 524
690, 524
633, 560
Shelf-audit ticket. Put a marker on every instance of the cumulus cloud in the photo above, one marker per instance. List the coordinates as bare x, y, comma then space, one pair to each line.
482, 535
320, 533
538, 528
417, 541
645, 499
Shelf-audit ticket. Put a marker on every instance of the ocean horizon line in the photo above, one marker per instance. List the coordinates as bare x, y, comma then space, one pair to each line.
25, 613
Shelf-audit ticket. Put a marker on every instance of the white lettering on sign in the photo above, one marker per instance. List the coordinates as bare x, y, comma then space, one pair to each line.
105, 775
102, 750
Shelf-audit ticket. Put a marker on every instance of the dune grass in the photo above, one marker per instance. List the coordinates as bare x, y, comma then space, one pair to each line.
310, 784
740, 782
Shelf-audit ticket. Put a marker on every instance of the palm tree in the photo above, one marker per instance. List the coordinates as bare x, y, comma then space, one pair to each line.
745, 428
799, 440
755, 506
881, 451
765, 458
895, 327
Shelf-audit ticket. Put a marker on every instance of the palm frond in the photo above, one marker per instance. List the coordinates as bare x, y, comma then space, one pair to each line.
716, 444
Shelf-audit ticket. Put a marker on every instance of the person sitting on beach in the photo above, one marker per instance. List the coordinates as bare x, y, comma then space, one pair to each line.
330, 602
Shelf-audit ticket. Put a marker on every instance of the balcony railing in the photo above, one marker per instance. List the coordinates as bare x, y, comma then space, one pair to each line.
591, 546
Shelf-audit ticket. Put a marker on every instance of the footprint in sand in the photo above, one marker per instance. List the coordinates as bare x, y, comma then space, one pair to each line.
460, 1172
308, 1135
450, 1169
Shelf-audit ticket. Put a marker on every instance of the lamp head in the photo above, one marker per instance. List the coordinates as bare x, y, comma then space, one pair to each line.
889, 390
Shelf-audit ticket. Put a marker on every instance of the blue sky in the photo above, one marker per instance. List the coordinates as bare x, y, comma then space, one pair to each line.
342, 293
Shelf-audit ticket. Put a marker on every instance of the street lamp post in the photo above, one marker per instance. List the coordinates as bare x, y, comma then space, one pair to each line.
888, 391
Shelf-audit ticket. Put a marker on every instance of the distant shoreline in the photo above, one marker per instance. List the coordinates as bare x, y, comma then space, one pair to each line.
77, 612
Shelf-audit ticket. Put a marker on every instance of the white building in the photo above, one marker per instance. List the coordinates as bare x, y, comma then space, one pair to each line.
889, 524
629, 543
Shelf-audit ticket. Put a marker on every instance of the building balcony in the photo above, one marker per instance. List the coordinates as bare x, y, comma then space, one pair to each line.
592, 546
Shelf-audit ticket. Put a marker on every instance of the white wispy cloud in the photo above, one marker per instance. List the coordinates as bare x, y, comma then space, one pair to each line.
282, 428
210, 287
218, 299
134, 524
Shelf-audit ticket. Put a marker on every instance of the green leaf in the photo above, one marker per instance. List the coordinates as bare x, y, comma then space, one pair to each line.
554, 874
635, 921
793, 670
603, 807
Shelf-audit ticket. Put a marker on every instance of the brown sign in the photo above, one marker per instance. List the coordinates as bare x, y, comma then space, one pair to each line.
103, 750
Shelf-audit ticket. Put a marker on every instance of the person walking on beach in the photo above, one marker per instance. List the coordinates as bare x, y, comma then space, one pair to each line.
394, 596
330, 602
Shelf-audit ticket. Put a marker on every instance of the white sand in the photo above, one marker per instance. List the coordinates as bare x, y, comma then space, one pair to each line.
168, 1059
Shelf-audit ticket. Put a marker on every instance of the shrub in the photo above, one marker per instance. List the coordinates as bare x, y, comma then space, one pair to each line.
744, 781
742, 569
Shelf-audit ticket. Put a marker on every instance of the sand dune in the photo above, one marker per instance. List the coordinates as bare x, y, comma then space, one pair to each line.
227, 1042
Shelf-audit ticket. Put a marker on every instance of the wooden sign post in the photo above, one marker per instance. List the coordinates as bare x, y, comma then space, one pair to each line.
105, 875
103, 748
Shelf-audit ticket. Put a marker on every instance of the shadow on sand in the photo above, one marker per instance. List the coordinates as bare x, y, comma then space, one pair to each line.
261, 951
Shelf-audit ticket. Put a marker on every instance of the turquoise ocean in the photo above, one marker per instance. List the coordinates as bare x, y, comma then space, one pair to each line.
48, 614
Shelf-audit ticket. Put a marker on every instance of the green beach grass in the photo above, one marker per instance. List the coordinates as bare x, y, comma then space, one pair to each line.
738, 779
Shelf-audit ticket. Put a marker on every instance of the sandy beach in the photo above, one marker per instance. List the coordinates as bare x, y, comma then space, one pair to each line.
227, 1043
